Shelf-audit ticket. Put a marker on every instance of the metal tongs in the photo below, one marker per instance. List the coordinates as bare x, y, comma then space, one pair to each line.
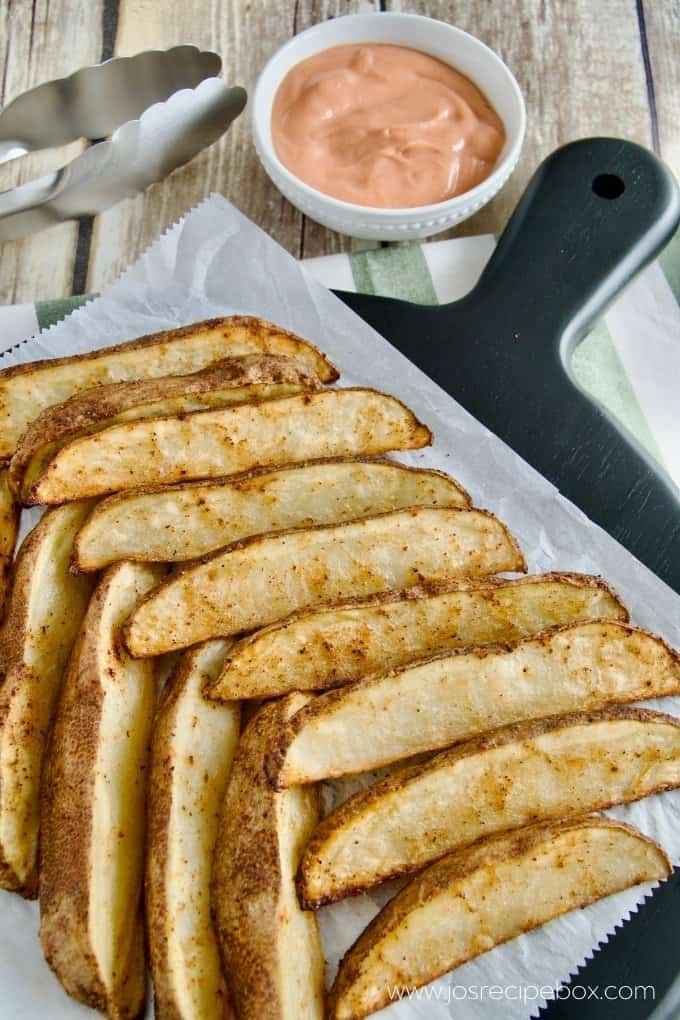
160, 108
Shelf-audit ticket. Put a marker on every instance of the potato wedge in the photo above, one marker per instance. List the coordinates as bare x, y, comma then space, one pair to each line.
336, 644
458, 695
224, 384
44, 612
9, 528
271, 949
544, 769
26, 390
478, 898
209, 444
94, 818
191, 755
261, 580
190, 520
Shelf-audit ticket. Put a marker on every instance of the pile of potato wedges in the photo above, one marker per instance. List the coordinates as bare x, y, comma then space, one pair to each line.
233, 596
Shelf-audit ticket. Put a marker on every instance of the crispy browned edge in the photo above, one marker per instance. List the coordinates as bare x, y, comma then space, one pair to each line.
14, 635
9, 523
418, 427
277, 756
234, 481
159, 807
457, 866
428, 589
398, 781
197, 564
329, 372
95, 405
247, 853
68, 859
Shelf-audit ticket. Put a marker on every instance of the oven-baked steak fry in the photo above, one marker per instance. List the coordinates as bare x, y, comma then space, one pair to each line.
45, 608
543, 769
224, 384
210, 444
182, 522
458, 695
270, 947
480, 897
339, 643
262, 579
26, 390
9, 529
191, 755
94, 808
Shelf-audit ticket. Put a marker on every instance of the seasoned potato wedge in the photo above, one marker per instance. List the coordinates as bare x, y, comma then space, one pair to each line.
336, 644
226, 383
261, 580
544, 769
9, 527
44, 612
191, 754
208, 444
457, 695
186, 521
93, 825
270, 947
26, 390
480, 897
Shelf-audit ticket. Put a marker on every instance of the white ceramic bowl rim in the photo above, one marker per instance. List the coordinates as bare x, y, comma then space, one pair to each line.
376, 212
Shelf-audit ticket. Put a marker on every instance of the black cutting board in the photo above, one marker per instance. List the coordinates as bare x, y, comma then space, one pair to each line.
593, 215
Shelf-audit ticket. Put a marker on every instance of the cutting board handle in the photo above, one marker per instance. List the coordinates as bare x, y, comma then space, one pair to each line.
595, 213
559, 261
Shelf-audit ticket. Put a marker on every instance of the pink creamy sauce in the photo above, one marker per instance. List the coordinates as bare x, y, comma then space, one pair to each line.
384, 126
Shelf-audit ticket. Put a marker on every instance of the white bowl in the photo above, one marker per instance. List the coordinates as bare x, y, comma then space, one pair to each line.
449, 44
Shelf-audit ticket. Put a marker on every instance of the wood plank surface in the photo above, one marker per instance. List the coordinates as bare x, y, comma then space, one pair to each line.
662, 36
39, 40
579, 65
246, 34
585, 68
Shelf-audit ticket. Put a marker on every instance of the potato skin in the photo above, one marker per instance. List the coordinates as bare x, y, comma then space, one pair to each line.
559, 782
25, 390
45, 609
191, 753
226, 383
222, 594
9, 528
105, 712
229, 440
579, 861
339, 643
271, 949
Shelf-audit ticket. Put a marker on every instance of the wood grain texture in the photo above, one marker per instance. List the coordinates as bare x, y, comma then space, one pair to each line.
579, 65
662, 26
246, 34
39, 40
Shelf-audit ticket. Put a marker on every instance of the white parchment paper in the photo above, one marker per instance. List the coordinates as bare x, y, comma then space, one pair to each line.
216, 262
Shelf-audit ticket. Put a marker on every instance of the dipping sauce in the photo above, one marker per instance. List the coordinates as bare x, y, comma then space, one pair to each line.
384, 126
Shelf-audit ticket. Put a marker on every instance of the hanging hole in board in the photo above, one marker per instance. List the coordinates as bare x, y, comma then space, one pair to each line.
608, 186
